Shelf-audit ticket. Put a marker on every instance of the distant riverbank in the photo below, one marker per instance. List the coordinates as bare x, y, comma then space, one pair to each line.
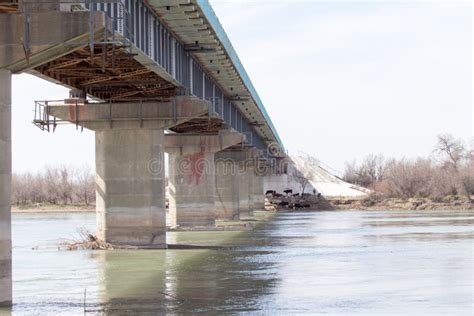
370, 203
53, 209
377, 203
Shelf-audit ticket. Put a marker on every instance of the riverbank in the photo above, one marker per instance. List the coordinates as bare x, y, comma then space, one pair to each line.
370, 203
419, 204
311, 203
30, 209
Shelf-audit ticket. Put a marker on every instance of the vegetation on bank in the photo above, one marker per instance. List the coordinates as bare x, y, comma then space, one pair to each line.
446, 176
444, 180
53, 187
378, 202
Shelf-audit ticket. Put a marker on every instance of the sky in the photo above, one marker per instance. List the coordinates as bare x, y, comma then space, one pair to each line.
339, 79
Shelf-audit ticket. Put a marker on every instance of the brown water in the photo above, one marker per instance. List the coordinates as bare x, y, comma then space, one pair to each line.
335, 263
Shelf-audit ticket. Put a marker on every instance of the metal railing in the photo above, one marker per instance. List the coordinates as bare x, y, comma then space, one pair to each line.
46, 121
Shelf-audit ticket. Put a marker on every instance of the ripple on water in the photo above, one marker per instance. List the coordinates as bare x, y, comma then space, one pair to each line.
329, 262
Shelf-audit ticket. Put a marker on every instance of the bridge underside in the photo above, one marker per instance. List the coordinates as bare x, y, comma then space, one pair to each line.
111, 73
108, 73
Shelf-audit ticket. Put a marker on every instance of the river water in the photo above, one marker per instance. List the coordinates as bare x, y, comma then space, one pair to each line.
335, 263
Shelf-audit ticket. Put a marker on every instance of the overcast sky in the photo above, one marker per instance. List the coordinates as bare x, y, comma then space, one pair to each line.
340, 80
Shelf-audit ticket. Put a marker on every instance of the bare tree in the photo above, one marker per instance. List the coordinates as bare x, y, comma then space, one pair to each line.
65, 185
370, 171
302, 177
374, 167
85, 185
52, 185
19, 194
453, 149
466, 176
407, 178
351, 173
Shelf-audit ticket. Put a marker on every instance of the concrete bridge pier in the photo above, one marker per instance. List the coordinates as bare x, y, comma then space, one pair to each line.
130, 182
244, 176
227, 188
191, 188
130, 174
251, 195
192, 176
58, 34
239, 189
257, 195
5, 189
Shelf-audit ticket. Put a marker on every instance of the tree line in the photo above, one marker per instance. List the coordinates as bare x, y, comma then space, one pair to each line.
449, 171
54, 185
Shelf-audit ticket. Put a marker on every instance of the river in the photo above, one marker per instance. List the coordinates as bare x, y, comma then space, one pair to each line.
334, 263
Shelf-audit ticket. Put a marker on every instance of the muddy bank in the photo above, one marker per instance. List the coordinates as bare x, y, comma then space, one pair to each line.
289, 202
376, 203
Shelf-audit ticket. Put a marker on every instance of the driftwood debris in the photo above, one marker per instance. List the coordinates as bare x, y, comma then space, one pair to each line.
86, 241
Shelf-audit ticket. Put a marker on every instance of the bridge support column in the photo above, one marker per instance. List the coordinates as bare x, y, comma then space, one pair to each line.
192, 188
192, 176
5, 189
131, 187
244, 176
257, 196
227, 188
130, 163
240, 189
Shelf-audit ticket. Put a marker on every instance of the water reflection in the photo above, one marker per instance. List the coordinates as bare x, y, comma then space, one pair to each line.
179, 281
326, 262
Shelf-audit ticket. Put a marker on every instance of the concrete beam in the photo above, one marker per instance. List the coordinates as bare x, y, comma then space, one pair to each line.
38, 5
5, 189
148, 115
192, 176
192, 143
130, 185
163, 3
51, 34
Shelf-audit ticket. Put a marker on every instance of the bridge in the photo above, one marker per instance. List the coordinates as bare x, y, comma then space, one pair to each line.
148, 77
